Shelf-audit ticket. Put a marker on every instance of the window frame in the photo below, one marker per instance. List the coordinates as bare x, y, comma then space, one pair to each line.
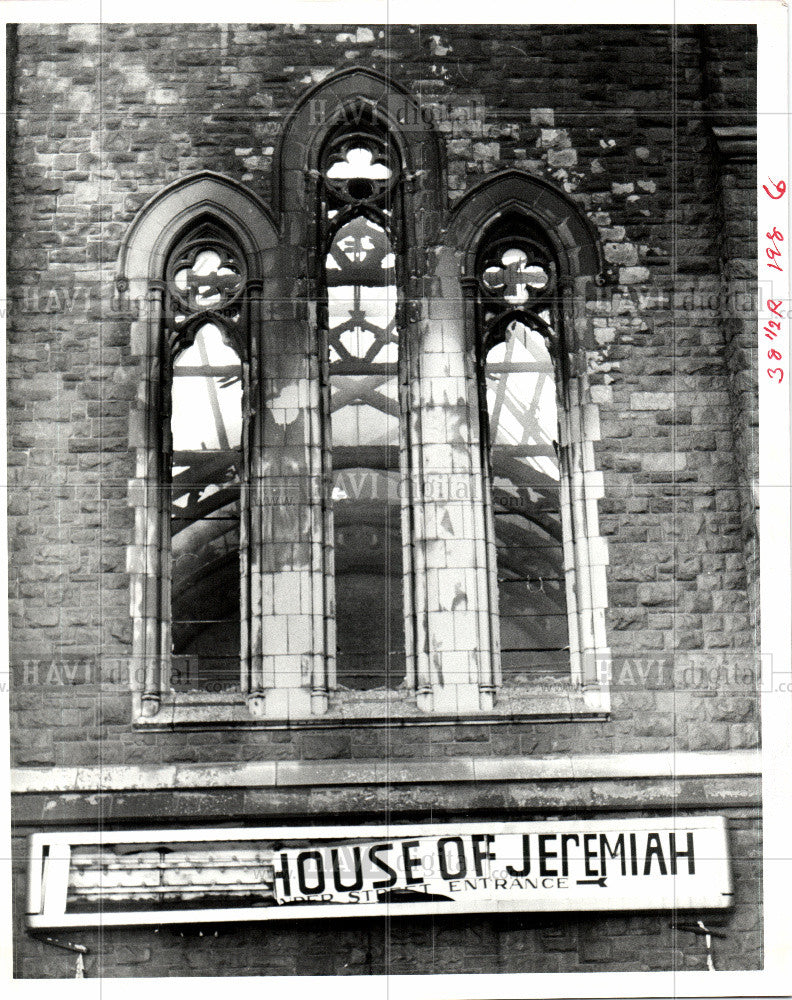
495, 312
329, 113
139, 297
382, 203
458, 681
516, 194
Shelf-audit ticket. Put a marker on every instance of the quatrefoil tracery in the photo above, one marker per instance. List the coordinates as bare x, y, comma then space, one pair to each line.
205, 281
516, 278
359, 169
513, 278
517, 271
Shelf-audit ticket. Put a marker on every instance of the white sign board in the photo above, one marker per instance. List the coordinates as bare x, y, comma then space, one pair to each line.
286, 873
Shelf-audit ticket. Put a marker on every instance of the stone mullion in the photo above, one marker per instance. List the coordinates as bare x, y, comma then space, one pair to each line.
490, 599
484, 568
420, 675
583, 534
244, 530
268, 460
579, 533
156, 541
490, 677
321, 565
571, 542
416, 498
244, 579
585, 550
252, 680
408, 512
451, 517
572, 497
324, 568
288, 534
405, 235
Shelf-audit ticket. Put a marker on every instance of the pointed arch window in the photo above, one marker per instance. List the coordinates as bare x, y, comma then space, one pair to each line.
204, 460
520, 366
336, 349
359, 216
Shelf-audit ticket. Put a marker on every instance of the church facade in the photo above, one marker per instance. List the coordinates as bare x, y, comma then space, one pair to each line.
382, 423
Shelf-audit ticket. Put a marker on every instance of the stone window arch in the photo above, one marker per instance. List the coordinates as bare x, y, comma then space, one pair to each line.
361, 221
192, 271
359, 191
527, 261
358, 184
520, 357
204, 429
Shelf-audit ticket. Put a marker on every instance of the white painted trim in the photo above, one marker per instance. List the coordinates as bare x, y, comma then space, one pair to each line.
285, 774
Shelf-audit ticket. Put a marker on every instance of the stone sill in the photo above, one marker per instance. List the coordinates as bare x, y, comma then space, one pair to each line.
556, 702
619, 767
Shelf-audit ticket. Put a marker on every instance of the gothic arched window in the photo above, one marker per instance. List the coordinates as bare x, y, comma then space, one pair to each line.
359, 218
204, 457
519, 363
373, 496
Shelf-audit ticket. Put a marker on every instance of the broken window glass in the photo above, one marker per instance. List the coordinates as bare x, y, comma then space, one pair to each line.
359, 167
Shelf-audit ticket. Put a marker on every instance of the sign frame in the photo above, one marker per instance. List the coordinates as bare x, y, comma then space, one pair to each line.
50, 852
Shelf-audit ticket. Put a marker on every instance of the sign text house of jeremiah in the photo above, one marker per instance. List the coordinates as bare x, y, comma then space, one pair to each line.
86, 878
600, 864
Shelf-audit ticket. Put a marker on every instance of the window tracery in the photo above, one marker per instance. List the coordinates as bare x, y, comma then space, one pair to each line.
365, 411
398, 584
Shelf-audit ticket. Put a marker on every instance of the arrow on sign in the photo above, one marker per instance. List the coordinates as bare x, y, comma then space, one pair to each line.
592, 881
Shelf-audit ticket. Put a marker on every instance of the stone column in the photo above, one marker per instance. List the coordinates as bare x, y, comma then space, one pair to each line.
151, 575
454, 654
289, 677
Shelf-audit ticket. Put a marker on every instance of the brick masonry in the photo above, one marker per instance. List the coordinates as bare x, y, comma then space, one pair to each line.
622, 122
